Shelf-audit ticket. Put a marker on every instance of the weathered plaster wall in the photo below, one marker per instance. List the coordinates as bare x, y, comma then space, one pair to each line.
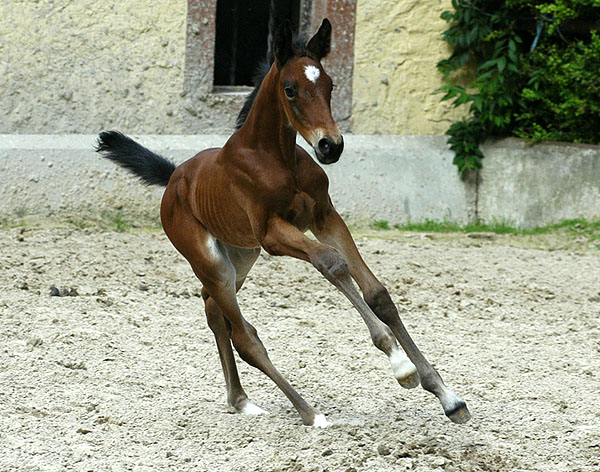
81, 66
398, 44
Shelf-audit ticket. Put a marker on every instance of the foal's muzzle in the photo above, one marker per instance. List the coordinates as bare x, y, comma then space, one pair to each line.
328, 149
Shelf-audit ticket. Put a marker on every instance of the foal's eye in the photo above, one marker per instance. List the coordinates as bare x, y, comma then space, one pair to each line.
332, 87
289, 92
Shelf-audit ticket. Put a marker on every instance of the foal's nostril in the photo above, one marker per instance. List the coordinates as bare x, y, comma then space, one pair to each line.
325, 146
328, 150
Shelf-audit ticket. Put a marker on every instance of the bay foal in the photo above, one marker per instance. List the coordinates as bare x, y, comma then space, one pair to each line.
261, 190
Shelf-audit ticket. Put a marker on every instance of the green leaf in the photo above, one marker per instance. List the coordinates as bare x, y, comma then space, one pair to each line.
501, 63
488, 64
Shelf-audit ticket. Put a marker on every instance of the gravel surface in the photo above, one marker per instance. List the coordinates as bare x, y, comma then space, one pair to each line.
107, 364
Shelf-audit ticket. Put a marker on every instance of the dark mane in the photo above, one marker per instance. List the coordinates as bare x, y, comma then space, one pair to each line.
261, 71
299, 45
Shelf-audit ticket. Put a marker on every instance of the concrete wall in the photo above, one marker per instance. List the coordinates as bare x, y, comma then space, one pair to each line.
393, 178
530, 185
86, 65
399, 179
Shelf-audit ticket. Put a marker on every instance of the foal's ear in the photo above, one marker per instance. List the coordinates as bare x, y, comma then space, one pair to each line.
320, 43
283, 43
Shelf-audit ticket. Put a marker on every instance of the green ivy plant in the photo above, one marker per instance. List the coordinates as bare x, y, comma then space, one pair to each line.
536, 65
561, 100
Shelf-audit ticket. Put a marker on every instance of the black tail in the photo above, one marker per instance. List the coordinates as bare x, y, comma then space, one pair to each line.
151, 168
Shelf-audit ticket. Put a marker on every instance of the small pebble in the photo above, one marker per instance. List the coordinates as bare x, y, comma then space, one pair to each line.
383, 450
21, 284
35, 342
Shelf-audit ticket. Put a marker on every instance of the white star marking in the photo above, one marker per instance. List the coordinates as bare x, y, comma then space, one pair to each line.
312, 73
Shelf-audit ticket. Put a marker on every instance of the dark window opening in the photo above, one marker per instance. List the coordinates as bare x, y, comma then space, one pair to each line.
241, 37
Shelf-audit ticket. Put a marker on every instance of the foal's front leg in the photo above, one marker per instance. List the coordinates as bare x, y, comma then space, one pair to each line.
334, 232
284, 239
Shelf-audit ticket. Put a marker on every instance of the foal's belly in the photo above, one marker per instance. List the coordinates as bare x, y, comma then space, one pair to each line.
235, 228
227, 222
242, 237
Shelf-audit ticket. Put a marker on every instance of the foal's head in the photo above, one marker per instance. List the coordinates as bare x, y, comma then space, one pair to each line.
304, 90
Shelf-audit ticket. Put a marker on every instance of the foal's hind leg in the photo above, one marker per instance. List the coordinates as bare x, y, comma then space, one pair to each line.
242, 260
212, 263
236, 396
250, 348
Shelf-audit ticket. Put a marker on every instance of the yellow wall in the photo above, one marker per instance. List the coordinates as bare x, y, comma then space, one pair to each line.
398, 44
76, 66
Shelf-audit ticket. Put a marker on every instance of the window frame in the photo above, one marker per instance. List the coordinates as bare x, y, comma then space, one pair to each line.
199, 85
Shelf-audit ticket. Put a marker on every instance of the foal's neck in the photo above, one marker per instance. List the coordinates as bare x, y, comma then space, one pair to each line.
267, 128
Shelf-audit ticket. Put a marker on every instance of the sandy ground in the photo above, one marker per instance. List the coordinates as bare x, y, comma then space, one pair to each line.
121, 373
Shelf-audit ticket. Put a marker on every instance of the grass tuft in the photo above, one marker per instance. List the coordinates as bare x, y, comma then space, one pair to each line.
575, 234
105, 219
380, 224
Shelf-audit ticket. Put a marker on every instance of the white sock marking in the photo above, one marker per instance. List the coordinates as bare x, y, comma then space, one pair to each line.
251, 409
312, 73
321, 421
402, 366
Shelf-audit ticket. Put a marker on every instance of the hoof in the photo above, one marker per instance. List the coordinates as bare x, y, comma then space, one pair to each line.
404, 370
459, 414
319, 421
411, 381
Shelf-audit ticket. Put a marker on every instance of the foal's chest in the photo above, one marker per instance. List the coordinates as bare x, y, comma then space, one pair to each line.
300, 211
